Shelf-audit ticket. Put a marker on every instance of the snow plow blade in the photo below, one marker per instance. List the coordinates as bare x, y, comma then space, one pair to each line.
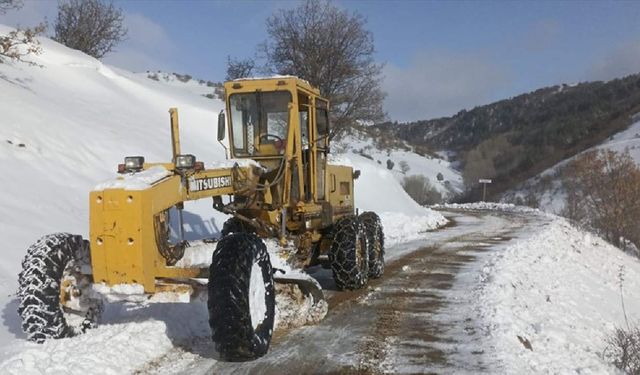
308, 286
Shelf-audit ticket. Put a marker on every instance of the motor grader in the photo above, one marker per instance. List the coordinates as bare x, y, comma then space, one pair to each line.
276, 184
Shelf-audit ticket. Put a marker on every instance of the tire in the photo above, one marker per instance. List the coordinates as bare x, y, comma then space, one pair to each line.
50, 261
348, 254
235, 225
239, 335
375, 243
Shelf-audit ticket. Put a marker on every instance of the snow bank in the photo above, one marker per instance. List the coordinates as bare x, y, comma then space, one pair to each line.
106, 351
506, 207
558, 291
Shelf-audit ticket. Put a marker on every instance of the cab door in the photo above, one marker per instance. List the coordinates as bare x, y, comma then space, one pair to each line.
321, 146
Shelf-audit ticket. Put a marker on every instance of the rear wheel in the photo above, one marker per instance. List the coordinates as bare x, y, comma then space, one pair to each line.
375, 243
348, 254
241, 298
52, 292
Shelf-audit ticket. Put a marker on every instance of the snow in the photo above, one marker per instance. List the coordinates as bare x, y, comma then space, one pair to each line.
136, 181
557, 288
66, 126
257, 301
80, 356
230, 163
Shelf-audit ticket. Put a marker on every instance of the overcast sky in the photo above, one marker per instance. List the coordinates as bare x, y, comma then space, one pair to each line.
440, 57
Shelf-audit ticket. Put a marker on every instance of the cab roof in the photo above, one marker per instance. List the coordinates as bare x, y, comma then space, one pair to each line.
272, 83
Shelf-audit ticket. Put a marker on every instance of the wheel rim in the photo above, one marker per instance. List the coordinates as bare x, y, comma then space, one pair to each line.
376, 249
80, 310
257, 296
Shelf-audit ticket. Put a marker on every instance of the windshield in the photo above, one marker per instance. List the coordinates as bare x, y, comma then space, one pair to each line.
259, 123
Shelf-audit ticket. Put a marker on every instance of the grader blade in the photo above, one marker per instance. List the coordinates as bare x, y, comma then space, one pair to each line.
308, 287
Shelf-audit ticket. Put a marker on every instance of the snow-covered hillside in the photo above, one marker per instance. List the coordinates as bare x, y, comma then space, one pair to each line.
431, 167
547, 187
65, 127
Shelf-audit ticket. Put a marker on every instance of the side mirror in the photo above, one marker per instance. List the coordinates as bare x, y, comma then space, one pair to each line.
221, 125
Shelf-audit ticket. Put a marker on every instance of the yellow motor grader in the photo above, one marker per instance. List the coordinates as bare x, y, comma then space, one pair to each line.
277, 184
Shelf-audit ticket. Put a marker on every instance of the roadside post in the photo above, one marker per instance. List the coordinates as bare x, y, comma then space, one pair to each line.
484, 181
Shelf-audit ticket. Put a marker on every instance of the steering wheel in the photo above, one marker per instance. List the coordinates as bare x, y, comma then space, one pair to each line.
278, 141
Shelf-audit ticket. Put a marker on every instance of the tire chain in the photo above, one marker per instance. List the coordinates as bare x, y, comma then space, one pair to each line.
39, 286
342, 254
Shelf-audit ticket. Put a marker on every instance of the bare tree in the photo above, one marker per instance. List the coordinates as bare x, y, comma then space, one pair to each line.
20, 43
330, 48
239, 68
91, 26
7, 5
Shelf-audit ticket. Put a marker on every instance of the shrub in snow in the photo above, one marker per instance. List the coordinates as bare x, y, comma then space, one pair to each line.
420, 189
184, 78
623, 350
20, 43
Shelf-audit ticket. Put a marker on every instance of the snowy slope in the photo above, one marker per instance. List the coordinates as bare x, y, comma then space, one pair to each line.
184, 82
428, 166
65, 127
551, 193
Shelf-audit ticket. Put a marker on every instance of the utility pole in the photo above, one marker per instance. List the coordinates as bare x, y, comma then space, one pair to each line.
484, 181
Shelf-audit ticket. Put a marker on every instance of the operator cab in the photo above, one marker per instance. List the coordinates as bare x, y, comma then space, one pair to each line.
279, 120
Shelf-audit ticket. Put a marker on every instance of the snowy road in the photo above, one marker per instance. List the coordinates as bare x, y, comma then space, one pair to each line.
390, 326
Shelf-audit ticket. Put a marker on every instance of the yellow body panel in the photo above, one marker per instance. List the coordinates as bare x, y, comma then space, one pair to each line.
122, 234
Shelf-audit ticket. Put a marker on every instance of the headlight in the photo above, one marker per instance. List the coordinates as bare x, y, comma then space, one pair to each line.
132, 164
185, 161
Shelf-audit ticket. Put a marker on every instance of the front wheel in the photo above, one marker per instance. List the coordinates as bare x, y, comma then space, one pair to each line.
52, 292
241, 298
